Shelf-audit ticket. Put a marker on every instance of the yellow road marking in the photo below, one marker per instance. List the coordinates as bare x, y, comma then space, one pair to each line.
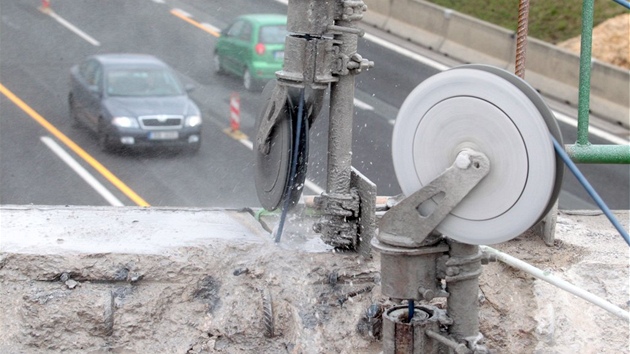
235, 134
194, 23
74, 147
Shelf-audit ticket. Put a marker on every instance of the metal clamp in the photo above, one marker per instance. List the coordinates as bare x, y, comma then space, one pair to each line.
339, 204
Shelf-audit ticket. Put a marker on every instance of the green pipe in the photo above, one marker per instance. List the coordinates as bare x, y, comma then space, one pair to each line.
603, 154
585, 72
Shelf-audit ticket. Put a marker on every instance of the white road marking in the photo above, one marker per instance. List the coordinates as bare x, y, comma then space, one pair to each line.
210, 27
82, 172
247, 143
591, 129
360, 104
74, 29
405, 52
182, 12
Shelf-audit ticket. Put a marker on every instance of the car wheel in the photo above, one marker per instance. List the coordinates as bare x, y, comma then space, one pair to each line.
216, 64
104, 141
248, 81
193, 148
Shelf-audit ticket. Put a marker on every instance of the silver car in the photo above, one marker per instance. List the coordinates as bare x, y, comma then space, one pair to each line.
133, 100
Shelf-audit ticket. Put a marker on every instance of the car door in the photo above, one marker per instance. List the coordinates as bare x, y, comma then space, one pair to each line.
80, 89
93, 93
234, 47
243, 48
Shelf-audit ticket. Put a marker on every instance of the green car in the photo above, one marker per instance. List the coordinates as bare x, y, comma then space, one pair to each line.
252, 47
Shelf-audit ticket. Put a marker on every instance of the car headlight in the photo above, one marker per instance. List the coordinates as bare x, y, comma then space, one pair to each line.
125, 122
193, 121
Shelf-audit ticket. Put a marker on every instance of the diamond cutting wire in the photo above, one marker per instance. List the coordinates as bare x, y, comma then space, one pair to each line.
294, 163
590, 190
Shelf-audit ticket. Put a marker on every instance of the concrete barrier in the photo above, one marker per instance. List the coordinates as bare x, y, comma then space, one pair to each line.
610, 88
422, 23
378, 12
550, 69
473, 41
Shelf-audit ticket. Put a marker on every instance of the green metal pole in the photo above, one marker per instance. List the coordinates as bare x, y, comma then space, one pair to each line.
601, 154
585, 72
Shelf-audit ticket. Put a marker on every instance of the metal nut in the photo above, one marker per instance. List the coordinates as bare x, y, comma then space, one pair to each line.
426, 294
451, 271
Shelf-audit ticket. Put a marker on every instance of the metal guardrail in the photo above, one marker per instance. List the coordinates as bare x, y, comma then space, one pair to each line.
583, 151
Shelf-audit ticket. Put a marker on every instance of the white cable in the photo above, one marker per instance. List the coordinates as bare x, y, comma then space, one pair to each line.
546, 276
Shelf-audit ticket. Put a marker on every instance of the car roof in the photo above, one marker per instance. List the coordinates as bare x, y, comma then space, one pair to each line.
129, 60
265, 19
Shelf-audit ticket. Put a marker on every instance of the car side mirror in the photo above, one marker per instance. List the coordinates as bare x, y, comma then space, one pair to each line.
189, 87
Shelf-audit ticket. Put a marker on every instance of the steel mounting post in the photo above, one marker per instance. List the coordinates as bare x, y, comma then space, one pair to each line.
339, 223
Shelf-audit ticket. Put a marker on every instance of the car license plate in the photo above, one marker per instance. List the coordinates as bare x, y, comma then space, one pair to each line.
166, 135
279, 55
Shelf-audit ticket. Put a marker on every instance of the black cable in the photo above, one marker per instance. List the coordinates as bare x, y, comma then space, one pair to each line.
294, 162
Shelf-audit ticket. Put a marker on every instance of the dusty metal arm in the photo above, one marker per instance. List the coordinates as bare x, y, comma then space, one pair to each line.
411, 221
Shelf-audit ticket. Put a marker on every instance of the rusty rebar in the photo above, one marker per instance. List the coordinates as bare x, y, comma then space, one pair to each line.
521, 38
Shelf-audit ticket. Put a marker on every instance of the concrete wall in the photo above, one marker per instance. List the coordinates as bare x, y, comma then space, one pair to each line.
551, 70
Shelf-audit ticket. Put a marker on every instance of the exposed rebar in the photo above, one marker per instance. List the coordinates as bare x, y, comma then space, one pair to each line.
521, 38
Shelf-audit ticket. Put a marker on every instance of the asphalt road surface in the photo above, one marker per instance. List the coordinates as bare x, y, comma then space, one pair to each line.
45, 160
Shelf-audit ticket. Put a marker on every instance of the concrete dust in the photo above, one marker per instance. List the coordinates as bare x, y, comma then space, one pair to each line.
209, 297
528, 315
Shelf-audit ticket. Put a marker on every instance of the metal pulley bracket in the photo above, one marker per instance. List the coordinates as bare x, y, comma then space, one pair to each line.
274, 153
491, 111
410, 222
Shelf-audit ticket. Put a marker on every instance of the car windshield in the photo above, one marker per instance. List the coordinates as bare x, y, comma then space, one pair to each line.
142, 82
273, 34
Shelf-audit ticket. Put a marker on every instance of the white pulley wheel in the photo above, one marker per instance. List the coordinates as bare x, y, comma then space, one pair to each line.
480, 110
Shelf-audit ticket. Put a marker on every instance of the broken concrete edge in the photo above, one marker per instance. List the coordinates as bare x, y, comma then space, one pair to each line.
58, 229
172, 280
207, 292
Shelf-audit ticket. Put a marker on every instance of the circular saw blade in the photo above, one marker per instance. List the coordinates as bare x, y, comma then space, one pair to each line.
272, 169
480, 110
